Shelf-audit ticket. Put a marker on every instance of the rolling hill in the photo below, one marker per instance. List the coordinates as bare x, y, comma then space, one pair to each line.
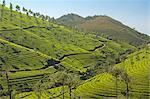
34, 53
106, 27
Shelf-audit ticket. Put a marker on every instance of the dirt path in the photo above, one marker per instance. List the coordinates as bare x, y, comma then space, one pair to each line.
30, 27
94, 49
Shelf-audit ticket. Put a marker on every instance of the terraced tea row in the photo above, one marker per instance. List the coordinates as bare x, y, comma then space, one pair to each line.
104, 84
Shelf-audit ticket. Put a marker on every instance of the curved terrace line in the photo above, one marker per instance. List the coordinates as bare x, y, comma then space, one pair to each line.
97, 47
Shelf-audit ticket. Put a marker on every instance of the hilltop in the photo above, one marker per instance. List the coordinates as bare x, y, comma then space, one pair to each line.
106, 27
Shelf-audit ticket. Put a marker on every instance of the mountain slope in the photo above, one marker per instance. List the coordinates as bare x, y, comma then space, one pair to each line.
103, 85
71, 20
32, 49
106, 27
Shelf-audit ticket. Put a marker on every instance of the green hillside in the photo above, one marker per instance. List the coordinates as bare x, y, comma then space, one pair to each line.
106, 27
39, 58
103, 86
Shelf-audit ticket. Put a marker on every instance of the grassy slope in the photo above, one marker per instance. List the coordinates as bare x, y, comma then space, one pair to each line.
137, 67
106, 27
103, 85
56, 42
29, 49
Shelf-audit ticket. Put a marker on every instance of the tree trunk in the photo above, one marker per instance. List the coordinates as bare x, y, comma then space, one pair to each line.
38, 97
11, 15
0, 14
21, 20
9, 89
116, 88
70, 92
63, 92
127, 91
75, 93
37, 22
39, 93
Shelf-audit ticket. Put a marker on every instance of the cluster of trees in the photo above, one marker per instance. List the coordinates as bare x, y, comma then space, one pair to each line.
125, 77
67, 81
28, 12
118, 74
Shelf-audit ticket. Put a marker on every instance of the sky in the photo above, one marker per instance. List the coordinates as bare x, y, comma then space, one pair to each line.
134, 13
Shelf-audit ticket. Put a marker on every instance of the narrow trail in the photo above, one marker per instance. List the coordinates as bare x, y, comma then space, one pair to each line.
97, 47
61, 58
30, 27
94, 49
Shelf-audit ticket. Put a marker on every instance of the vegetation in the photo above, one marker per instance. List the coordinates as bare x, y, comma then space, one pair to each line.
132, 83
104, 85
42, 60
106, 27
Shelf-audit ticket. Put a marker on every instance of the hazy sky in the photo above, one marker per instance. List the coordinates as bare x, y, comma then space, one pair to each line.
134, 13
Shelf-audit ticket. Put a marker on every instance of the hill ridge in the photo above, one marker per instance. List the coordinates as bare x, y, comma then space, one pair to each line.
105, 26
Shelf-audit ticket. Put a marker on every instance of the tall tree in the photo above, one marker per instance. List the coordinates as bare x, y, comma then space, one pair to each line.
40, 87
116, 73
76, 82
46, 17
8, 84
30, 12
72, 82
52, 81
11, 9
69, 80
18, 10
25, 10
5, 59
127, 80
62, 76
2, 11
43, 17
53, 20
36, 15
49, 19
